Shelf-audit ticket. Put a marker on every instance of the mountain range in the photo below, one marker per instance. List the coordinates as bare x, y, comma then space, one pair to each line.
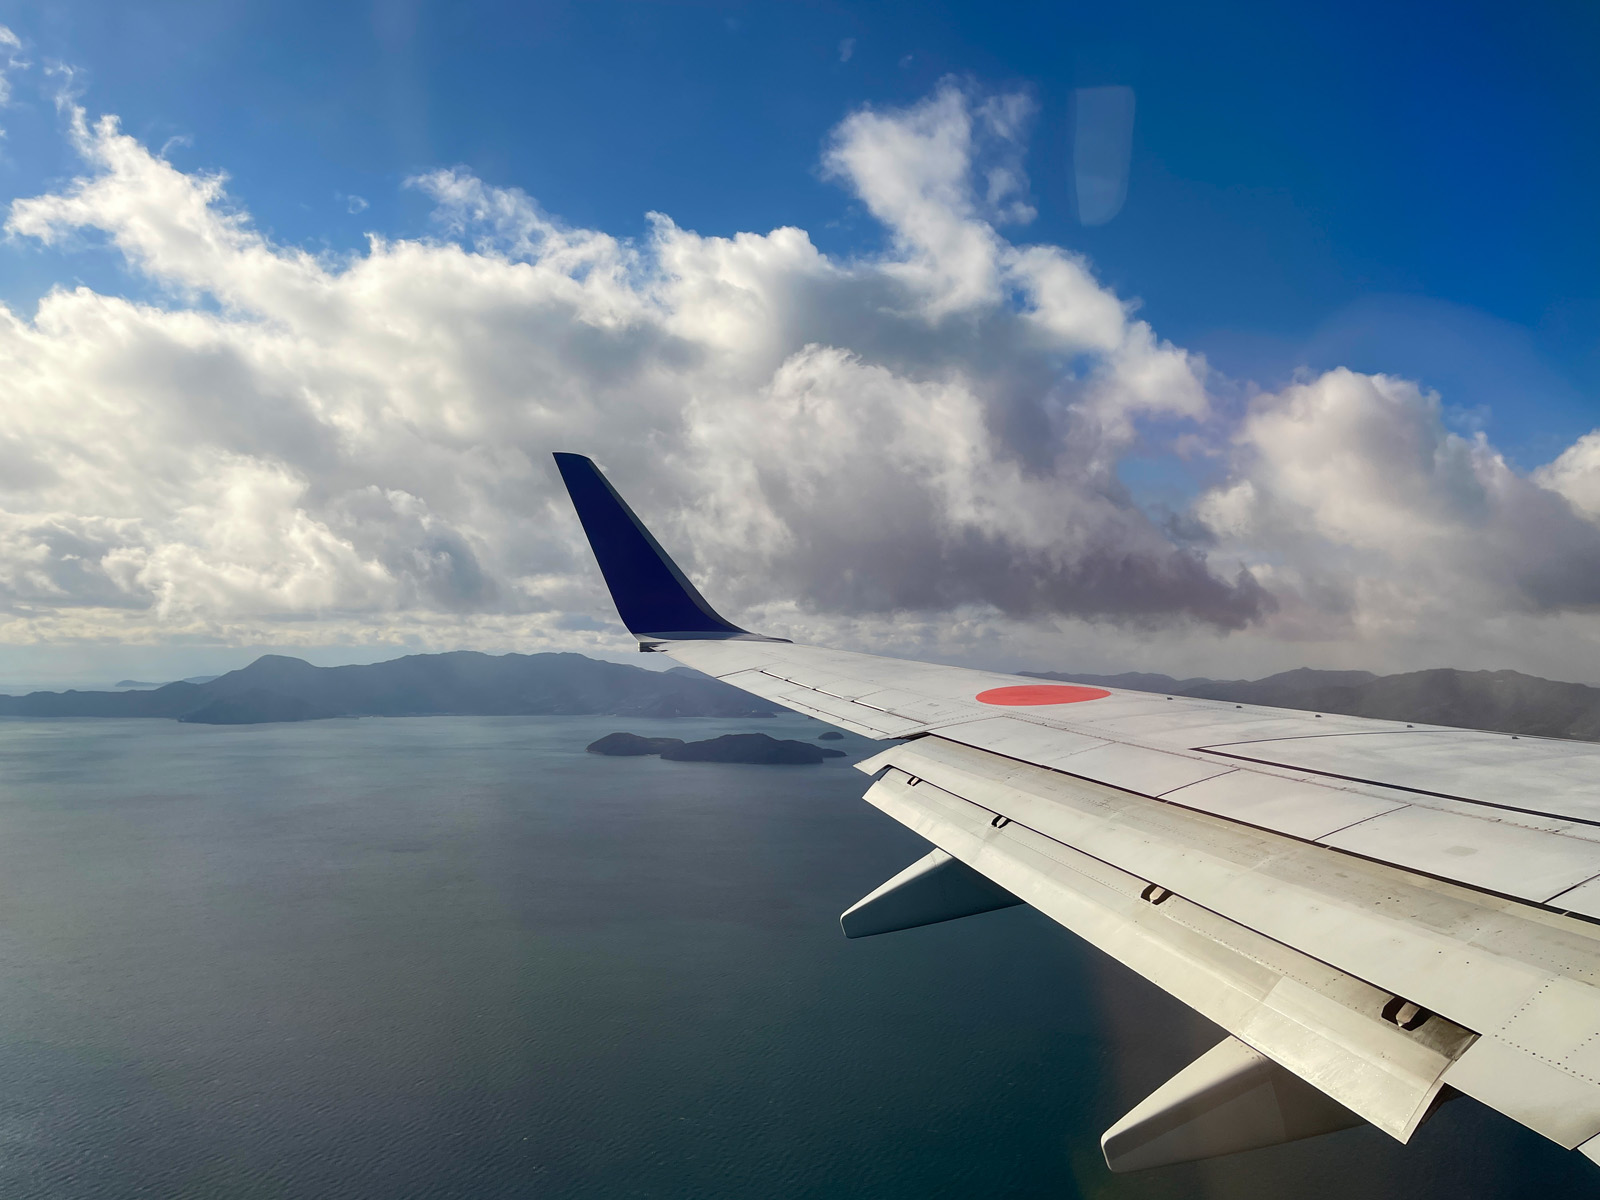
466, 683
463, 683
1501, 701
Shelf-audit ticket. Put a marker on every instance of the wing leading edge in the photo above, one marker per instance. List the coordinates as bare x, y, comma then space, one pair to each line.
1380, 915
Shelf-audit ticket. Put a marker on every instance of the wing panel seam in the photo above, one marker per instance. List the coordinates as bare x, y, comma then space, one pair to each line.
1573, 888
1398, 787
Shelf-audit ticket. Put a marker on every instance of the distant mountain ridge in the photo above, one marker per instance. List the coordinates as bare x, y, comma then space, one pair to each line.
1499, 701
466, 683
462, 683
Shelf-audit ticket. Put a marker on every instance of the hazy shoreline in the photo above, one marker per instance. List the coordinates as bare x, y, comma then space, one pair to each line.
276, 689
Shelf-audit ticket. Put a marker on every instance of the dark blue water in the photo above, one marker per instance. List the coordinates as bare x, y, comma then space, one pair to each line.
460, 957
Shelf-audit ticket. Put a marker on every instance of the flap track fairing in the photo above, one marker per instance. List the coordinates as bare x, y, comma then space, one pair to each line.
1229, 1099
937, 887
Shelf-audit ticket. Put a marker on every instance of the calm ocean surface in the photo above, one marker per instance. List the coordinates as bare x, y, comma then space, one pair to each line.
447, 957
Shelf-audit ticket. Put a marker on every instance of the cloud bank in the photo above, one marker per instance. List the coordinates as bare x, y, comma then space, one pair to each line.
920, 445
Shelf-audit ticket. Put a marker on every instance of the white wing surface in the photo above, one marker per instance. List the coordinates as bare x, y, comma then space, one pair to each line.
1380, 914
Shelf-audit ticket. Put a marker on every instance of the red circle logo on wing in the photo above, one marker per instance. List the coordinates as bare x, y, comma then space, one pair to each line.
1040, 693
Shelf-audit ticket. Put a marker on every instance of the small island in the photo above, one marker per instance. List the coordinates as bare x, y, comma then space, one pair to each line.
756, 748
631, 745
833, 735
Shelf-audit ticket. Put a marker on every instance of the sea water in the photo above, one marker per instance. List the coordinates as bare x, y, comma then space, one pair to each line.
459, 957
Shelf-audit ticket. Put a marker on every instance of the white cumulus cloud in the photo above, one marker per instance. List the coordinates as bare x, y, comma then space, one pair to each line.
1369, 519
915, 447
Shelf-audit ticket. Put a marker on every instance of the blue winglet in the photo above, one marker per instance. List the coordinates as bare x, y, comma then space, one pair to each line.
654, 598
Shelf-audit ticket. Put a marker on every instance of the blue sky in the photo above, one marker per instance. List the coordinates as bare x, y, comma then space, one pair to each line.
1366, 189
1401, 188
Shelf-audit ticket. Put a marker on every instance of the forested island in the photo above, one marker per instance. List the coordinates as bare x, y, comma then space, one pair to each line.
757, 748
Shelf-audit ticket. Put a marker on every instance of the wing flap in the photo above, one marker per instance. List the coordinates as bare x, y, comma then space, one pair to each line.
1321, 1023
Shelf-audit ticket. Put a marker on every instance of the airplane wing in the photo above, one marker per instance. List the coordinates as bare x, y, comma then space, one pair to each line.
1380, 914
